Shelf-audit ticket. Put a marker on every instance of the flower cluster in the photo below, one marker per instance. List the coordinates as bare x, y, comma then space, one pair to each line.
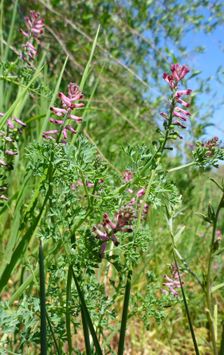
88, 184
135, 202
180, 114
34, 30
209, 153
172, 283
8, 143
64, 113
107, 230
210, 146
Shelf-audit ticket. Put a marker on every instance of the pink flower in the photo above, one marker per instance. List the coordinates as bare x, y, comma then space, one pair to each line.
219, 234
128, 175
164, 115
107, 230
10, 124
180, 93
170, 80
30, 49
77, 119
183, 103
140, 193
179, 115
58, 111
172, 283
34, 24
179, 109
177, 123
179, 71
89, 184
10, 152
21, 123
60, 122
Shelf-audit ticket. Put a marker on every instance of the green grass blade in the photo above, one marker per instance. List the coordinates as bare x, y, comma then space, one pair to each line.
221, 351
43, 316
68, 314
124, 314
11, 31
187, 310
87, 316
88, 65
45, 123
21, 248
86, 332
58, 351
20, 98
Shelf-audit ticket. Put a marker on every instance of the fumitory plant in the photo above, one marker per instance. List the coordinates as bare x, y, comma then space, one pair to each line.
80, 264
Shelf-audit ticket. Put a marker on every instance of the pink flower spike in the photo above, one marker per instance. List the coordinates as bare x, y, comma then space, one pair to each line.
11, 152
141, 193
10, 124
21, 123
77, 119
58, 111
180, 93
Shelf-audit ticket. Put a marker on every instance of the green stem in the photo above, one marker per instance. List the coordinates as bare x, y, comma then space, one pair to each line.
124, 314
209, 297
187, 309
68, 314
181, 167
87, 315
86, 332
43, 316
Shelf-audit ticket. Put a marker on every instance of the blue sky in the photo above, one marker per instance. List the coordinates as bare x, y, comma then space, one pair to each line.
208, 63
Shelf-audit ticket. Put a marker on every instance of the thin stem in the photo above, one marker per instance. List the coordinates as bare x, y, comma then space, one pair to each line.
86, 332
209, 297
124, 314
67, 314
186, 308
43, 316
181, 167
